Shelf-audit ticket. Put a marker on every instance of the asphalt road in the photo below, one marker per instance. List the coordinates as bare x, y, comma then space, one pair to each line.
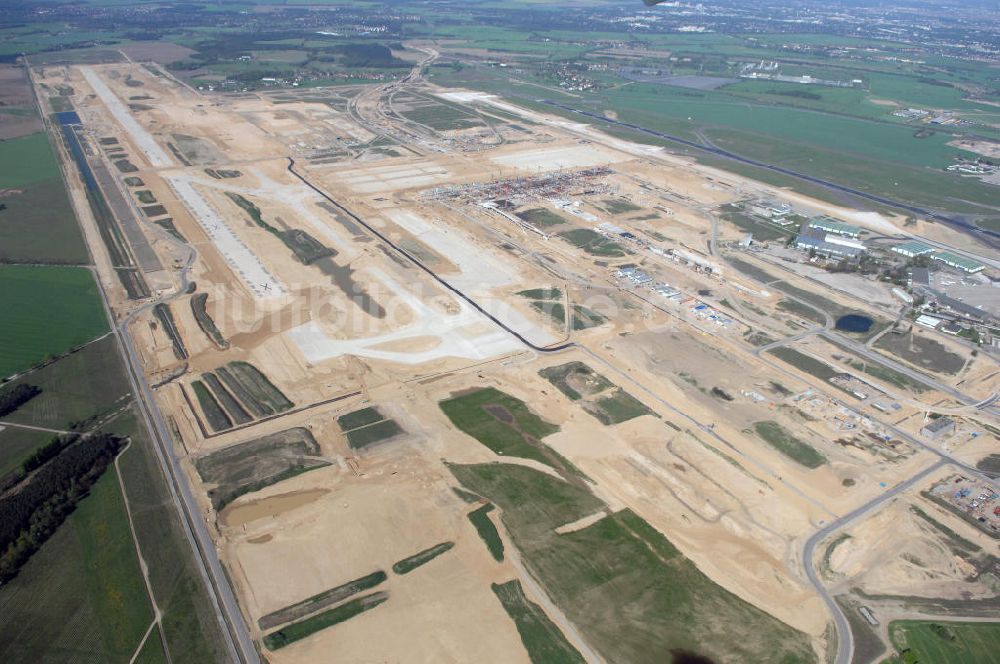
845, 638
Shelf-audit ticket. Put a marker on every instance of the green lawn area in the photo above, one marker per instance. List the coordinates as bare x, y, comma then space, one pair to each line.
480, 519
541, 638
632, 594
81, 597
541, 217
499, 421
84, 385
39, 226
783, 441
16, 444
945, 642
50, 310
804, 362
303, 628
34, 159
593, 243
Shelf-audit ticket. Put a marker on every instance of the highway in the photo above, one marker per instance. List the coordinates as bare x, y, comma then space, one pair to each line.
990, 237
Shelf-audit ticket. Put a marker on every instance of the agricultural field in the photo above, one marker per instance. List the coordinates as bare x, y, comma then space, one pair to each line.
924, 642
40, 330
17, 444
82, 593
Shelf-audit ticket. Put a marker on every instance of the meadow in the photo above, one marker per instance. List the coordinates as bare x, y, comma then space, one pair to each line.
57, 309
632, 594
945, 642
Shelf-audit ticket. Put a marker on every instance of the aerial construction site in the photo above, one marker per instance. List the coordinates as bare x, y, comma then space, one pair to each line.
444, 378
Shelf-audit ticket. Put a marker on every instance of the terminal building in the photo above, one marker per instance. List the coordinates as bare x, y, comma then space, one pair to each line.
835, 227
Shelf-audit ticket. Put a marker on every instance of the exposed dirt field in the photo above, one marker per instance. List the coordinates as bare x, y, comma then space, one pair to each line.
361, 259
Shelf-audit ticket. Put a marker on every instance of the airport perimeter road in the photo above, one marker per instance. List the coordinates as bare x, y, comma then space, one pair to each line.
845, 638
988, 236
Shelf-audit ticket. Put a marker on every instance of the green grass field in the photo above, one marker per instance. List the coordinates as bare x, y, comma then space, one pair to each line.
499, 421
34, 159
39, 226
594, 243
634, 597
189, 621
56, 309
81, 597
17, 444
945, 642
541, 638
81, 386
783, 441
487, 531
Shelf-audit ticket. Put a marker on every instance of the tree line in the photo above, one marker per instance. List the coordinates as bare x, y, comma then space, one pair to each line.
64, 471
13, 398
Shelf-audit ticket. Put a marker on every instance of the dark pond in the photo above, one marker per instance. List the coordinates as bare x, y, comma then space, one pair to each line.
854, 323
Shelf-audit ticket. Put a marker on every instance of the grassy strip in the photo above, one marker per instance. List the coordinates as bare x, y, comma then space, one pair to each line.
304, 246
541, 217
618, 206
166, 318
407, 565
484, 526
372, 433
956, 539
205, 322
804, 362
257, 407
321, 600
309, 626
541, 294
617, 408
359, 418
783, 441
560, 375
236, 412
217, 418
544, 642
258, 385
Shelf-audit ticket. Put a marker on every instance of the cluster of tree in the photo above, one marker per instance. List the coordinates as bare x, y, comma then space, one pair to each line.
30, 514
13, 398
